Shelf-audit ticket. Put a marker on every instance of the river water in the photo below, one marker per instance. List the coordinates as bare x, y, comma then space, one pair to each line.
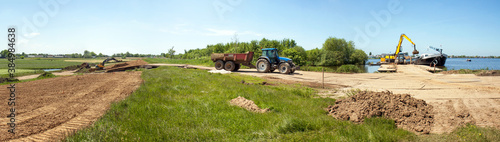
474, 64
452, 64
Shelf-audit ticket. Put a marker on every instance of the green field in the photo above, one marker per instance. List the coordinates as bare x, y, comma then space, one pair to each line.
176, 104
203, 62
38, 63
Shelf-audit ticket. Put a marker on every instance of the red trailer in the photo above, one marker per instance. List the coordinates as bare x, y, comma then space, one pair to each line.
232, 61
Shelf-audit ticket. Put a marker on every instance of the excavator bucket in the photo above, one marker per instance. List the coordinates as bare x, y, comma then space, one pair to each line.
415, 52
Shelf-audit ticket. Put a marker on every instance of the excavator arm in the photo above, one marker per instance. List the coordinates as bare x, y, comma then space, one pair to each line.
398, 49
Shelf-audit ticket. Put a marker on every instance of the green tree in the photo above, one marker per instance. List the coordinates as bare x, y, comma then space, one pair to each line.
171, 52
86, 54
314, 56
370, 53
4, 53
100, 55
93, 53
298, 57
359, 57
343, 51
332, 58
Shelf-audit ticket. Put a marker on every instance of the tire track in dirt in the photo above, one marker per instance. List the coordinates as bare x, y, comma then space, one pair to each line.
484, 112
50, 109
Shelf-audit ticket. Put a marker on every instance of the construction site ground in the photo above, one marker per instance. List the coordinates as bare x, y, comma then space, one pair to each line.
457, 98
49, 109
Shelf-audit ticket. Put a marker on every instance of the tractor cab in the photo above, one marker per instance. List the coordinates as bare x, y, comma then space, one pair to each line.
272, 54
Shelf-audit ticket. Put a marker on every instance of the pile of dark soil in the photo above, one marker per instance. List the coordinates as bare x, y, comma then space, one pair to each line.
73, 67
407, 112
126, 66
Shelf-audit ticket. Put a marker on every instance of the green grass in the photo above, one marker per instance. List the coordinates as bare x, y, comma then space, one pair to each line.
19, 72
203, 62
176, 104
38, 63
465, 133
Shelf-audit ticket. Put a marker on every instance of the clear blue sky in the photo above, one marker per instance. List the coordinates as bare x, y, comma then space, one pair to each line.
152, 27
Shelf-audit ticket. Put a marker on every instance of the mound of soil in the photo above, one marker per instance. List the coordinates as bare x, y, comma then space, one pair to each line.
73, 67
247, 104
489, 73
126, 65
407, 112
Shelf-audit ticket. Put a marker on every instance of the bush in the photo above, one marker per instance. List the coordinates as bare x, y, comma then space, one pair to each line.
348, 69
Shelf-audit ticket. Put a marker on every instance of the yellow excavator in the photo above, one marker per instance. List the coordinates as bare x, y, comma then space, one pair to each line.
100, 66
389, 58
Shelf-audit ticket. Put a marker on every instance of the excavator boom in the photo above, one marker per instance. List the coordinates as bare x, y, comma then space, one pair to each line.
398, 49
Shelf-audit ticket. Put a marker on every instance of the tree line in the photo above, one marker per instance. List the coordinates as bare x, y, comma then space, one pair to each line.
335, 51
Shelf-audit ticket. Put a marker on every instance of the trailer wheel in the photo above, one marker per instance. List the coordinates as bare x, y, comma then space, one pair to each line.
263, 66
284, 68
219, 64
229, 66
237, 67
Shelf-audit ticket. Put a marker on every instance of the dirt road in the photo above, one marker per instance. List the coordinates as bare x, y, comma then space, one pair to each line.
458, 98
49, 108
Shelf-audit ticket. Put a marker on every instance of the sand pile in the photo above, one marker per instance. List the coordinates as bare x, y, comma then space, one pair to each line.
407, 112
247, 104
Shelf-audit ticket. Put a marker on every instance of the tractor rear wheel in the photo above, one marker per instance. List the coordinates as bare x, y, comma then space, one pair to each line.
263, 66
284, 68
219, 64
229, 66
237, 67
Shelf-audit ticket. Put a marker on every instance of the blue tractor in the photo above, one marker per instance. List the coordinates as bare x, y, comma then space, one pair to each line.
270, 61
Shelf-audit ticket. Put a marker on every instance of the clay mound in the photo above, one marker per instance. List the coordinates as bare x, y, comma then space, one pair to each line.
247, 104
407, 112
126, 65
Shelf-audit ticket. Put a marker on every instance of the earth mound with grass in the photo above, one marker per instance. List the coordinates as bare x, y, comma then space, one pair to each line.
489, 73
407, 112
46, 75
247, 104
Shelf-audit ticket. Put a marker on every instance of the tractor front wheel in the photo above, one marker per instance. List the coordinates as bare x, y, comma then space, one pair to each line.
284, 68
263, 66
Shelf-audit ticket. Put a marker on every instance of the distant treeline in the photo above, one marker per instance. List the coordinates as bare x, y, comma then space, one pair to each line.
335, 51
86, 54
463, 56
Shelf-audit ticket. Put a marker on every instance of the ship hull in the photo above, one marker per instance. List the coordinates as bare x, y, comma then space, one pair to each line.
441, 60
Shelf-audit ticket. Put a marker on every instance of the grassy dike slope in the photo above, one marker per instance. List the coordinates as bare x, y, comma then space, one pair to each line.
176, 104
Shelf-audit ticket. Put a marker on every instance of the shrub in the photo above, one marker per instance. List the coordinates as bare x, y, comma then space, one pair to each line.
348, 69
